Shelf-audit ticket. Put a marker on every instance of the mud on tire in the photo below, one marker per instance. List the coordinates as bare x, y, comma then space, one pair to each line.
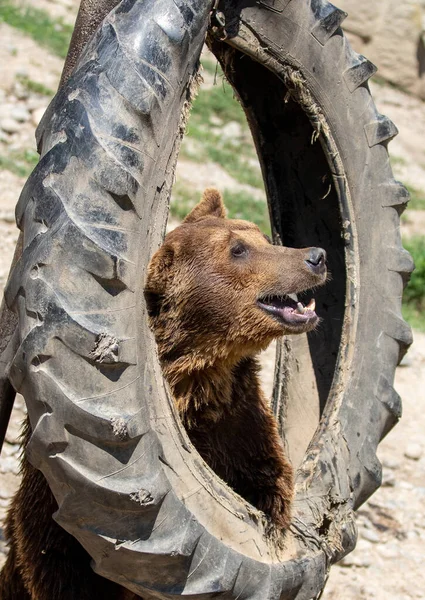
129, 485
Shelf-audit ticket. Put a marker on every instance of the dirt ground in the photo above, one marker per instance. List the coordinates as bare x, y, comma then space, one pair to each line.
387, 563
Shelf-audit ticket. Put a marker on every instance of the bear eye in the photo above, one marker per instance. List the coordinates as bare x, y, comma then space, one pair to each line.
239, 249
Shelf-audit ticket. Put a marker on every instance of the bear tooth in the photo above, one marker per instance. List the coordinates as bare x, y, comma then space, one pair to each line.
311, 305
300, 308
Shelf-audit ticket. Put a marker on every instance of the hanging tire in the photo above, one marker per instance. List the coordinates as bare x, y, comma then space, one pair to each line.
128, 483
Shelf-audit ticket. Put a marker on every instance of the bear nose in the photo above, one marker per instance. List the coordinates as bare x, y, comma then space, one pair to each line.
317, 260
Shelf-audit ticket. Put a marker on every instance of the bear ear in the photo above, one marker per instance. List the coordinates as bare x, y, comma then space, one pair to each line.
211, 205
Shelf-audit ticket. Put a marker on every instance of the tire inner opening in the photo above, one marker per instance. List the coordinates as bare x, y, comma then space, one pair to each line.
305, 211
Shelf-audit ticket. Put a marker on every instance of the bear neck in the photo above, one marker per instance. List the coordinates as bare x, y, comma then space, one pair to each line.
203, 393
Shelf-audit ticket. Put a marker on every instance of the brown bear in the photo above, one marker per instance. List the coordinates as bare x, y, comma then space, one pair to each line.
217, 294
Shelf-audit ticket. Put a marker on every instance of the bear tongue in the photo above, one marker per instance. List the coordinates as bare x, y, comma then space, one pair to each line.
290, 310
296, 315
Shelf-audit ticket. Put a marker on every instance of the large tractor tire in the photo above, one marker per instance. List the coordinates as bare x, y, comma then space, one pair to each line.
129, 485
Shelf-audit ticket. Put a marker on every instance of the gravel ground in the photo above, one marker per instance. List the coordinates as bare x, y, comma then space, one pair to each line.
387, 563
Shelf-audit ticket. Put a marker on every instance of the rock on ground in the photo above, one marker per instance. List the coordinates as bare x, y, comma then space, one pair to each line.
388, 561
392, 35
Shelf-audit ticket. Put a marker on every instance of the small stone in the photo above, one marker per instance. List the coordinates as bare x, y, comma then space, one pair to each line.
388, 479
406, 361
9, 125
363, 546
10, 449
7, 216
37, 115
354, 560
192, 147
13, 431
364, 521
5, 110
388, 551
20, 114
231, 131
4, 494
413, 451
22, 72
34, 102
20, 404
390, 463
371, 535
360, 557
20, 91
214, 120
9, 464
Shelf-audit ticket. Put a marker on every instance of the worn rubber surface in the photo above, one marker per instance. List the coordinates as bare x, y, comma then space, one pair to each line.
340, 195
129, 485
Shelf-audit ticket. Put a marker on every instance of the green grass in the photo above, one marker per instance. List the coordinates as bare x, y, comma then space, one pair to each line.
20, 163
414, 317
218, 100
417, 198
35, 86
183, 200
397, 161
212, 67
236, 155
235, 158
240, 205
414, 294
53, 34
238, 165
382, 82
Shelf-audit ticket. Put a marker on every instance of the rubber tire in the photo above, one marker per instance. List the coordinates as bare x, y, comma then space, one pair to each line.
92, 213
363, 336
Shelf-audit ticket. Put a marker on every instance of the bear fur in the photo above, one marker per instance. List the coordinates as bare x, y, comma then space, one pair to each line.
216, 293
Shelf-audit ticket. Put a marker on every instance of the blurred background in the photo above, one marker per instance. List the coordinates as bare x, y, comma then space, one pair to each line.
218, 151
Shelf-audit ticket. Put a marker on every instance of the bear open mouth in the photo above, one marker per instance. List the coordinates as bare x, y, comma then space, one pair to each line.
289, 311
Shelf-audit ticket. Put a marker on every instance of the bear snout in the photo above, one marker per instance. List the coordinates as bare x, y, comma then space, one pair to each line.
316, 260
